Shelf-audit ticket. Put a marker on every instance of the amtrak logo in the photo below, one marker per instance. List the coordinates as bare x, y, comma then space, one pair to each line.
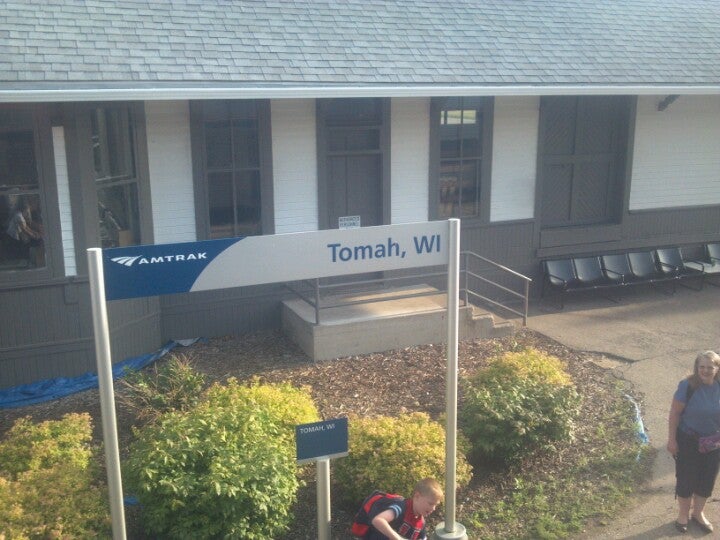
141, 259
125, 261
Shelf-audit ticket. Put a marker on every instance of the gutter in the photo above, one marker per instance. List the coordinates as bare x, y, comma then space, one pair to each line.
165, 92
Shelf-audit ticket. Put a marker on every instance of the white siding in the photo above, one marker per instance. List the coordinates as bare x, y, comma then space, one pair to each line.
294, 150
677, 153
63, 186
409, 151
514, 158
170, 163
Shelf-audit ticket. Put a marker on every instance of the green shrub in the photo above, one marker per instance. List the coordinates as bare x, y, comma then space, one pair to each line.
49, 481
520, 403
167, 386
286, 405
528, 363
225, 468
392, 454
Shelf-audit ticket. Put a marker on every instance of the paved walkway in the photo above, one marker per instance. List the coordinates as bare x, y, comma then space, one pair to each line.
652, 340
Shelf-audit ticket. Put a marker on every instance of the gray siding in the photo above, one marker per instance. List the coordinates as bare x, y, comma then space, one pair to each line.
219, 313
509, 244
49, 333
36, 362
673, 226
646, 229
134, 327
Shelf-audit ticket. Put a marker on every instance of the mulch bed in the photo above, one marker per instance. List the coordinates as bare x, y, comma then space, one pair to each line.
389, 383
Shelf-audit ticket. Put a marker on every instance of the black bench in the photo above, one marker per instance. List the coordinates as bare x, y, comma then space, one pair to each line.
573, 275
603, 272
709, 265
671, 263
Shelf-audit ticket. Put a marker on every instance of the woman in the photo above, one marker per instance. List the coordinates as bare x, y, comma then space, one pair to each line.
695, 413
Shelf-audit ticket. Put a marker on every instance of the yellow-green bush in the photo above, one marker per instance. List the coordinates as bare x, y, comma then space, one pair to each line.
223, 469
529, 363
520, 403
392, 454
286, 405
50, 484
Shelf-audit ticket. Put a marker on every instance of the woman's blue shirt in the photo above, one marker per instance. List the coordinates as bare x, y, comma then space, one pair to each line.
701, 415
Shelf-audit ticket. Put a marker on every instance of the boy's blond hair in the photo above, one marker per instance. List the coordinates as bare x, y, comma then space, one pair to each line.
429, 487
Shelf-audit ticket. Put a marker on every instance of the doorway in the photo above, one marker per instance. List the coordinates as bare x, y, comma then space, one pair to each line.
353, 162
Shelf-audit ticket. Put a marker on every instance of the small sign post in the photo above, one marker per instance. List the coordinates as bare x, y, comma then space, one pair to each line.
319, 442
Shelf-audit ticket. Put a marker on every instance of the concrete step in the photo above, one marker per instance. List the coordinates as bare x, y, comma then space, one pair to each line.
382, 322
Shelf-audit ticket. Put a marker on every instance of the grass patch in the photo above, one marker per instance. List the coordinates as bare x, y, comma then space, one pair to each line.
584, 484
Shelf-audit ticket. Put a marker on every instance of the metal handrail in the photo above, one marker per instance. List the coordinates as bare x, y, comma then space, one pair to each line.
315, 300
525, 295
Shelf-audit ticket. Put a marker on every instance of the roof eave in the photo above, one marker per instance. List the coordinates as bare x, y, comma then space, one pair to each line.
166, 92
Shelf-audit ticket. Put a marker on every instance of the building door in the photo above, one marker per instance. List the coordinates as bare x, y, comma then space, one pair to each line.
351, 142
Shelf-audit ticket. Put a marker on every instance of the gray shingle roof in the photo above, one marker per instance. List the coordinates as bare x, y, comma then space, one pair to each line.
402, 42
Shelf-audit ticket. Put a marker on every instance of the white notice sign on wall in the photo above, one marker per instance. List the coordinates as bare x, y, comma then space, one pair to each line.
349, 222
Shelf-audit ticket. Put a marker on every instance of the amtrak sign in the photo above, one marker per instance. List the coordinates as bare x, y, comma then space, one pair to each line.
234, 262
151, 270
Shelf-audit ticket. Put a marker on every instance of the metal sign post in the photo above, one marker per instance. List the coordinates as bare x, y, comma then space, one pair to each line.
107, 394
324, 514
450, 529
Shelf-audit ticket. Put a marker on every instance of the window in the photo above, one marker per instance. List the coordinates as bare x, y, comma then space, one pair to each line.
583, 145
462, 149
22, 234
234, 177
116, 181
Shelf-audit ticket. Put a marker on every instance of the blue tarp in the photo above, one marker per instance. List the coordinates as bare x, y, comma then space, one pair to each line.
639, 425
49, 389
640, 432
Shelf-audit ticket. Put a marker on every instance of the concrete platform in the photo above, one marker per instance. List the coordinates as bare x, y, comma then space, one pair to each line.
385, 323
651, 340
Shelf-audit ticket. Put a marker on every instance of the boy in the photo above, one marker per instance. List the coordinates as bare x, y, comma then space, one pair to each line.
406, 519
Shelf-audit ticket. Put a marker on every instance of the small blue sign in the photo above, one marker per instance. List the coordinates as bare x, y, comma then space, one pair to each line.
325, 439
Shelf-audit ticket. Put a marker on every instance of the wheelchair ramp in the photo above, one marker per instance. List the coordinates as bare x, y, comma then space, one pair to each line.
382, 322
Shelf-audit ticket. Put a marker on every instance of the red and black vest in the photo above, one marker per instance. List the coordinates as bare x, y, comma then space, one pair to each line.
407, 524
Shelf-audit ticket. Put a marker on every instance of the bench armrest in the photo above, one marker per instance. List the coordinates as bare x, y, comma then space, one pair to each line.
670, 266
701, 264
564, 281
621, 276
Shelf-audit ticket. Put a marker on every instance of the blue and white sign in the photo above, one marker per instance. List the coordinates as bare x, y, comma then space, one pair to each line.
140, 271
153, 270
328, 439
